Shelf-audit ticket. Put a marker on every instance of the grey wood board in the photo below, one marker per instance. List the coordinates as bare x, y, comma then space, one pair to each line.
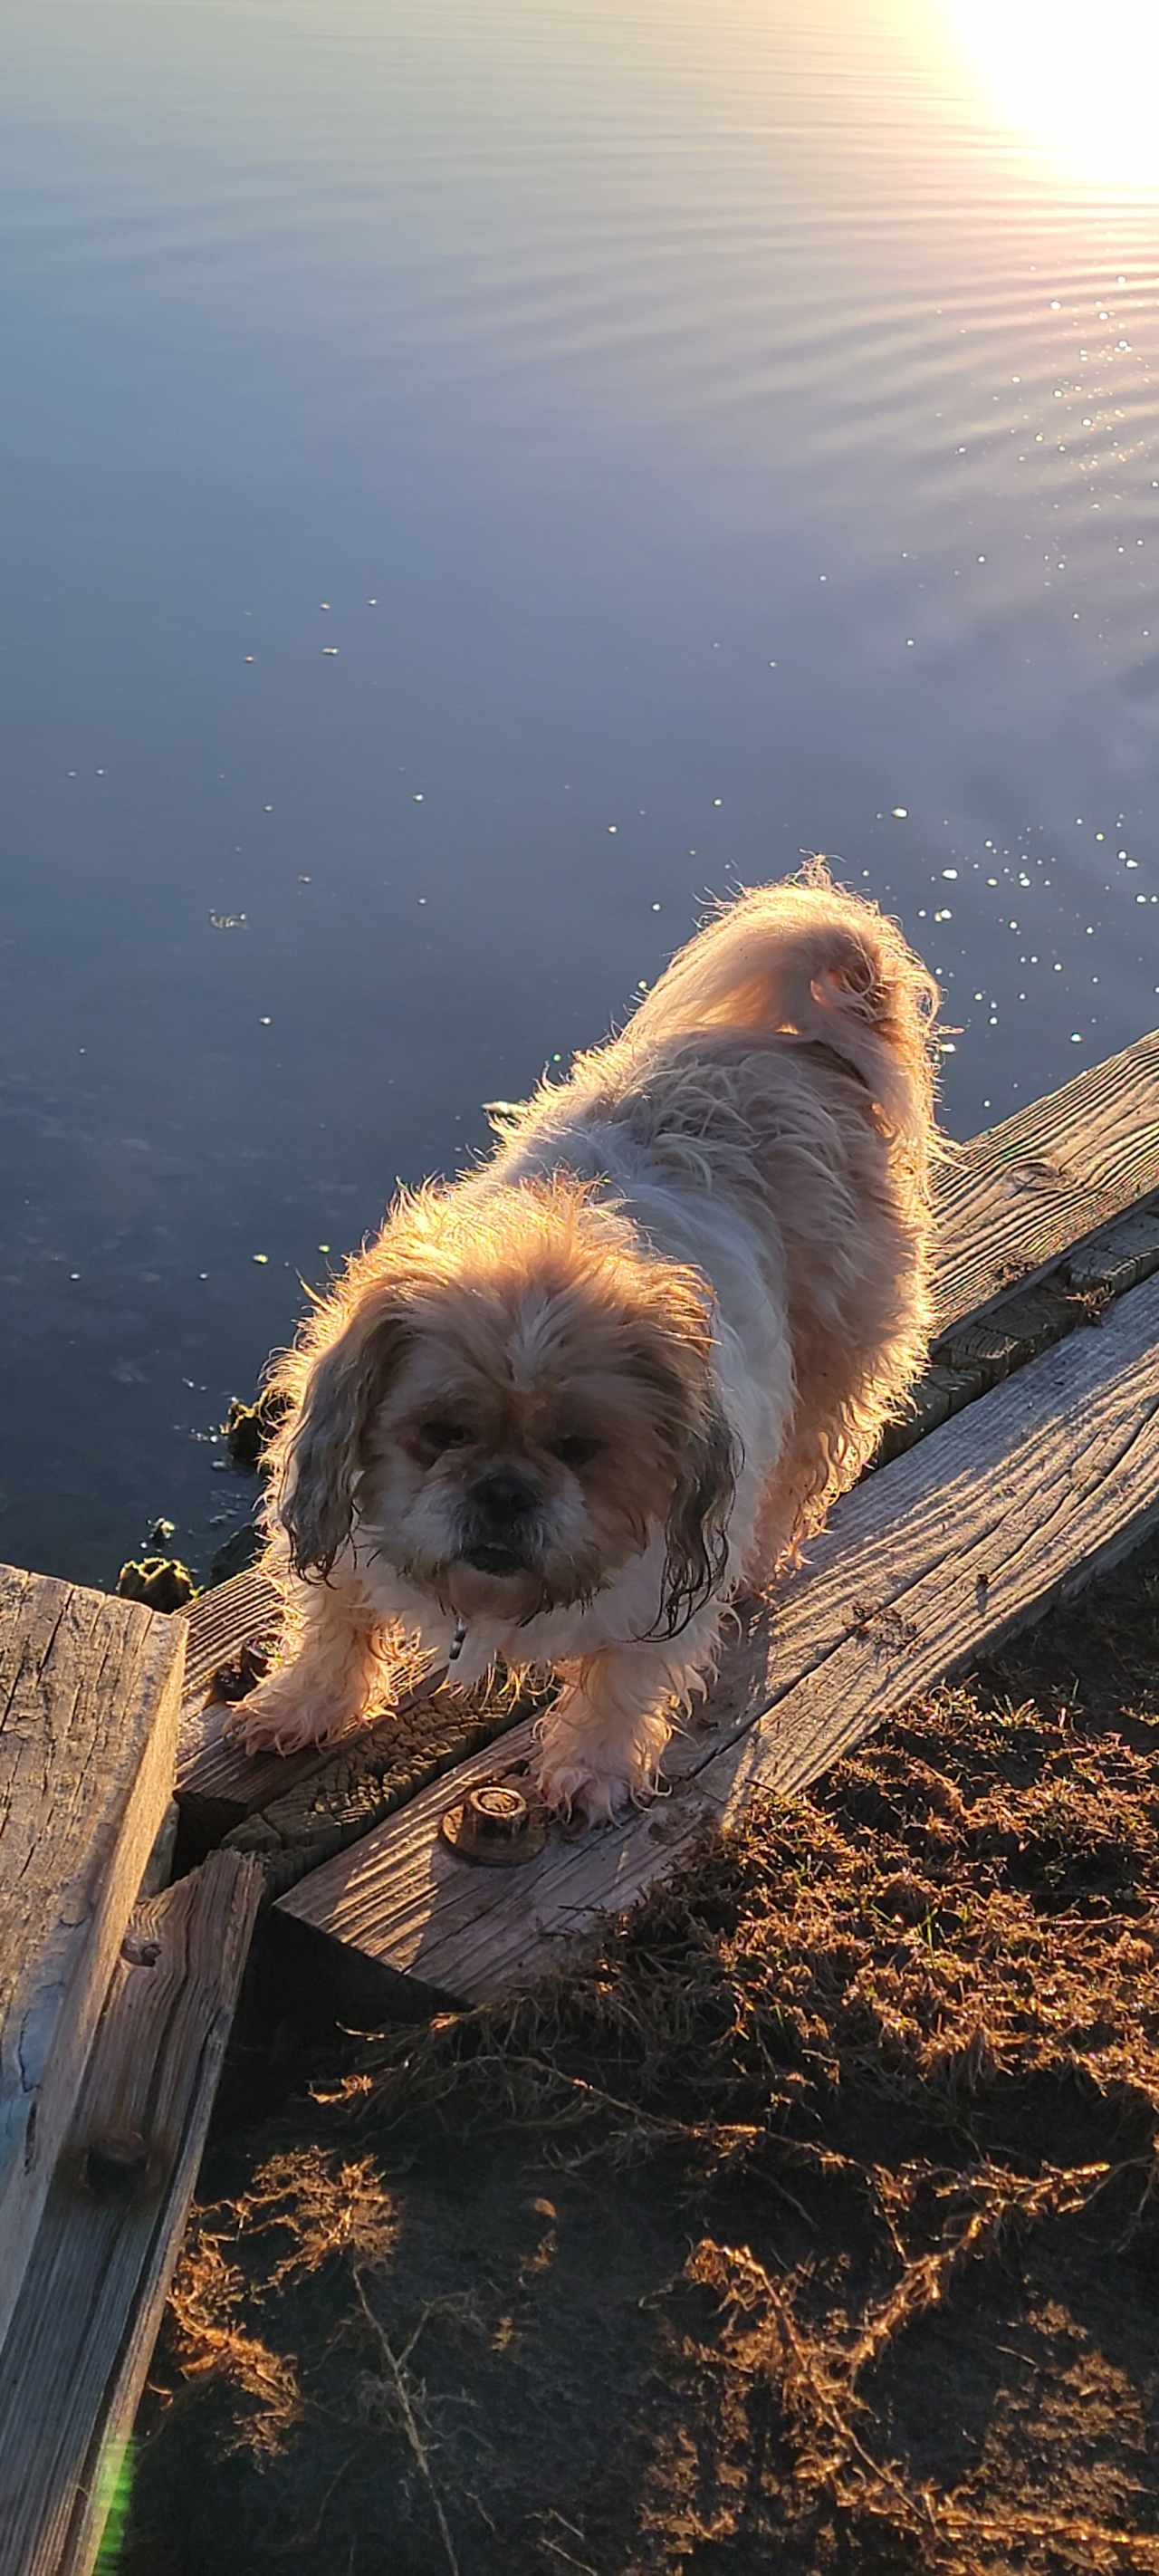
74, 2361
89, 1702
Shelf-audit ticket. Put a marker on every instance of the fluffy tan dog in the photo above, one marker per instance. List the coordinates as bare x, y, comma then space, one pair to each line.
560, 1411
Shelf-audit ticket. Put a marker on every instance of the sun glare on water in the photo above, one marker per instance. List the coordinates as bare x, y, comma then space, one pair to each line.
1078, 82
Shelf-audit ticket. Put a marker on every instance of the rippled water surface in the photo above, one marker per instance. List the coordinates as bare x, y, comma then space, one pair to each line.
478, 476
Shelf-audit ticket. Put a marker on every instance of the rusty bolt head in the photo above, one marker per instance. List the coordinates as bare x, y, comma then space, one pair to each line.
119, 2165
237, 1678
496, 1810
495, 1824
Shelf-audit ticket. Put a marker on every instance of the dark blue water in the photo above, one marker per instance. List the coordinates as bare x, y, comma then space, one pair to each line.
478, 477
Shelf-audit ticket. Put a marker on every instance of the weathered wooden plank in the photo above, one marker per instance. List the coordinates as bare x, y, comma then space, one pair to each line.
74, 2360
220, 1786
980, 1350
89, 1699
942, 1554
220, 1623
294, 1809
375, 1770
217, 1782
1009, 1202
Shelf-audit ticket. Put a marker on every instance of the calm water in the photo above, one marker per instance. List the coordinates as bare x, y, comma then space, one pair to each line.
479, 475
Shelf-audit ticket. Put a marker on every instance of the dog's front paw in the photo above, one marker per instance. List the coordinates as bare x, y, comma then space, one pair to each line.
284, 1716
584, 1791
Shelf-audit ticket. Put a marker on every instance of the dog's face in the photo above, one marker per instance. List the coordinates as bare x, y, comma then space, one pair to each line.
509, 1409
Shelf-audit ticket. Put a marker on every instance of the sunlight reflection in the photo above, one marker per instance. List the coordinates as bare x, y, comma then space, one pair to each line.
1080, 89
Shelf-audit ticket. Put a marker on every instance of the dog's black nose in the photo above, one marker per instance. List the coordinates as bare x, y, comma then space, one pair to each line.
504, 1495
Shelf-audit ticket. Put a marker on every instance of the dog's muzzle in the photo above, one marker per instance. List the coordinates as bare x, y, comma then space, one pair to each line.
499, 1531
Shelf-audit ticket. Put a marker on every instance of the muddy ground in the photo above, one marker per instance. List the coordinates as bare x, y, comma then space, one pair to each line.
815, 2229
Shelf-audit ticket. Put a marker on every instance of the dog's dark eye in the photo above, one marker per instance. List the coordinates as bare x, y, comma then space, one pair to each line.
441, 1433
576, 1449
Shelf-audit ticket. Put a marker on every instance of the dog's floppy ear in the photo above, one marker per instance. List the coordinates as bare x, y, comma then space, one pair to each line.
698, 1520
674, 1358
322, 1446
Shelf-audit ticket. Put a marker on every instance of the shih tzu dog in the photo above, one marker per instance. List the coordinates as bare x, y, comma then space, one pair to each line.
558, 1413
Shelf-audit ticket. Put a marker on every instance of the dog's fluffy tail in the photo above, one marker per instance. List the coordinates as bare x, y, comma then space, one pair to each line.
806, 958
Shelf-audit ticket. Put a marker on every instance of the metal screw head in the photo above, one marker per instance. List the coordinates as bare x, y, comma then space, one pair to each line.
496, 1810
119, 2165
237, 1678
494, 1824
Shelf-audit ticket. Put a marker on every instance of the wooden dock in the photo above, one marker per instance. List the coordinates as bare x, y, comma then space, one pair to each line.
1029, 1463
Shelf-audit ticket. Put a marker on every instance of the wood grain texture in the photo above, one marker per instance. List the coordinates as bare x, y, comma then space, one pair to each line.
980, 1350
74, 2360
220, 1785
945, 1552
216, 1780
374, 1771
89, 1701
219, 1623
1014, 1198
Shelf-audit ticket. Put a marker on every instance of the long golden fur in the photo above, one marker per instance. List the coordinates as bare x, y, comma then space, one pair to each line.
570, 1403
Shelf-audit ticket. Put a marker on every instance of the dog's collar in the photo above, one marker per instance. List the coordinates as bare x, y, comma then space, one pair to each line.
458, 1641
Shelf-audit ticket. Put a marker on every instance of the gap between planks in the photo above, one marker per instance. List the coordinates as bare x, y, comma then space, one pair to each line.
943, 1554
